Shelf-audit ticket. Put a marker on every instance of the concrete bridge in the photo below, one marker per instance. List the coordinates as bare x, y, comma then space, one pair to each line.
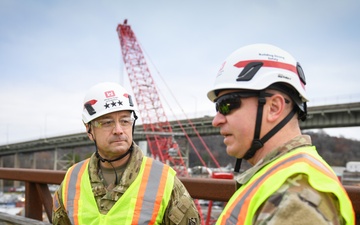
30, 154
16, 159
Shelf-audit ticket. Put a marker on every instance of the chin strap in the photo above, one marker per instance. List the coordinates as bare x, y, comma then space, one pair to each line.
112, 160
257, 142
118, 158
238, 165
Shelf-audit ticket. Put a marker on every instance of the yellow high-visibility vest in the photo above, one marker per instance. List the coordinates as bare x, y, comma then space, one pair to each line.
144, 202
243, 205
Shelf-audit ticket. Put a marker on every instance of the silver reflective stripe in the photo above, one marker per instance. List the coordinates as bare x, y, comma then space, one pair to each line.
236, 211
149, 196
72, 190
151, 192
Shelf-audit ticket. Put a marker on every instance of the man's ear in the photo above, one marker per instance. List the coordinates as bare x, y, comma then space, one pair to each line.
88, 131
276, 107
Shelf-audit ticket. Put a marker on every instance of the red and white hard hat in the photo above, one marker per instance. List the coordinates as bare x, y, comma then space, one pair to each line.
256, 67
105, 98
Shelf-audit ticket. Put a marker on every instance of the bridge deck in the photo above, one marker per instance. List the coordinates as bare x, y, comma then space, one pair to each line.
342, 115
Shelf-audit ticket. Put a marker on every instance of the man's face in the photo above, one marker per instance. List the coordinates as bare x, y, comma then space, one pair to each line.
112, 133
237, 126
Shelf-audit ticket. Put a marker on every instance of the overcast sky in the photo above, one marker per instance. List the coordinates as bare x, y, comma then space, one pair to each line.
51, 52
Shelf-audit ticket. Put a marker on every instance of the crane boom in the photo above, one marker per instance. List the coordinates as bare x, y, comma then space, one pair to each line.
152, 113
157, 128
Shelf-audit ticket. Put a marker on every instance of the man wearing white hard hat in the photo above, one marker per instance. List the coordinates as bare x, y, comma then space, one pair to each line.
118, 184
260, 97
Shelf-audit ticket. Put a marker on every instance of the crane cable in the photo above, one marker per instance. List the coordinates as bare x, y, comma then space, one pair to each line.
189, 121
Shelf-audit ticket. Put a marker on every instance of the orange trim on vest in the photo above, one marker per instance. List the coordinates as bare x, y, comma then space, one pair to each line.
66, 186
77, 195
161, 190
75, 202
139, 201
151, 195
251, 190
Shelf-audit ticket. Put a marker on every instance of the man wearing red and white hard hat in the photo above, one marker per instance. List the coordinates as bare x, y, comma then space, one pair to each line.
260, 97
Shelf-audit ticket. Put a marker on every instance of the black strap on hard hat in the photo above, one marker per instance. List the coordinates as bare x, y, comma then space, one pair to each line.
257, 142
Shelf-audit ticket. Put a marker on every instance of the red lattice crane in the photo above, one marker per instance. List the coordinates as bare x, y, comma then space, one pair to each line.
156, 126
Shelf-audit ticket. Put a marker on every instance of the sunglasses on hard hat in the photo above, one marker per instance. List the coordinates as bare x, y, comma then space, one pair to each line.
228, 102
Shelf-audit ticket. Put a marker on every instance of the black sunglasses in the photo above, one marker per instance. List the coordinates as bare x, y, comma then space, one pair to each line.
228, 102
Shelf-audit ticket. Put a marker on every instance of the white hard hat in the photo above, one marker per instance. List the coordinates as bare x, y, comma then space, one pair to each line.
106, 98
258, 66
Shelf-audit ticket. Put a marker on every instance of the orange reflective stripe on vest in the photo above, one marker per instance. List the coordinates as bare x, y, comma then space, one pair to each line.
144, 202
72, 187
241, 208
150, 193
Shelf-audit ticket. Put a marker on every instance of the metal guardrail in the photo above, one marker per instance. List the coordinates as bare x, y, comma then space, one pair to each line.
38, 196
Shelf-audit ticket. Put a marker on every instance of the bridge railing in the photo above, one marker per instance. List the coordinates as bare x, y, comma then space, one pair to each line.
38, 196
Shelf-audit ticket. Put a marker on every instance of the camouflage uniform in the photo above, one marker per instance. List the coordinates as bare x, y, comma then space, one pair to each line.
181, 208
295, 200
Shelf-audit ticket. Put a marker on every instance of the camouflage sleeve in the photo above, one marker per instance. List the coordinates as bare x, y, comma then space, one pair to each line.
296, 202
59, 215
181, 209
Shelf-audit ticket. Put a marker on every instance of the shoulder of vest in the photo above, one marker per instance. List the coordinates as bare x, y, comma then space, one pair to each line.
159, 164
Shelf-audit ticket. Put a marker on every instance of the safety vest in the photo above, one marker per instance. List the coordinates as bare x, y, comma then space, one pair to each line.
243, 205
144, 202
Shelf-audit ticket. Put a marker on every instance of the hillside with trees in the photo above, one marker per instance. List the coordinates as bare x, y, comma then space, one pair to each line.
337, 151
